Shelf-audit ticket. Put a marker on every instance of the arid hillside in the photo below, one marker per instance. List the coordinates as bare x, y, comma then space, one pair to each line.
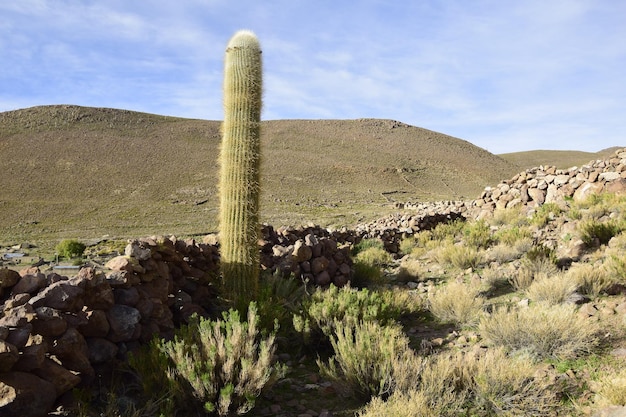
82, 172
560, 159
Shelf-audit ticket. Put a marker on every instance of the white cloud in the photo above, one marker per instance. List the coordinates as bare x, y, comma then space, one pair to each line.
505, 76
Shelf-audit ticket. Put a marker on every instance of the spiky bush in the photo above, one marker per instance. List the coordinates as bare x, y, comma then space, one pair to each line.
218, 366
513, 216
507, 386
370, 359
448, 230
503, 253
511, 235
400, 404
365, 244
456, 302
374, 256
541, 331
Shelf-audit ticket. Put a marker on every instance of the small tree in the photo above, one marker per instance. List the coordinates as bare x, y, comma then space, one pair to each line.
70, 248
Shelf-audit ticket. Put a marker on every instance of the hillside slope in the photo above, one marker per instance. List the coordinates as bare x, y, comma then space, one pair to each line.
560, 159
75, 171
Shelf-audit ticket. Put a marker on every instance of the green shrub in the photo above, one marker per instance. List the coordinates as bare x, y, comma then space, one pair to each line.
370, 359
592, 231
70, 248
513, 216
366, 274
218, 366
327, 307
408, 244
511, 235
374, 256
279, 298
541, 331
448, 230
366, 244
477, 234
545, 213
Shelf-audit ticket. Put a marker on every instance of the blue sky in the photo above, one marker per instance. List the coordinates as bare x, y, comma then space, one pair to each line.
505, 75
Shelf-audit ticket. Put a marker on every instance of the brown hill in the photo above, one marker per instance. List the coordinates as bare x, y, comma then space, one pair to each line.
560, 159
82, 172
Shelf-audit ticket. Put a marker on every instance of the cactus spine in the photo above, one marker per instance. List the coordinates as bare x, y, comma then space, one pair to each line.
239, 169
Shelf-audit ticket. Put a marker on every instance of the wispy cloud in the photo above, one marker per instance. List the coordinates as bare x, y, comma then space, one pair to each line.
505, 76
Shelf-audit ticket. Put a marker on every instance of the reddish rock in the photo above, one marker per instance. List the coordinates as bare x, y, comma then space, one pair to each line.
18, 316
62, 379
9, 355
32, 355
25, 395
30, 283
319, 264
61, 295
301, 252
97, 324
322, 279
49, 322
8, 277
101, 350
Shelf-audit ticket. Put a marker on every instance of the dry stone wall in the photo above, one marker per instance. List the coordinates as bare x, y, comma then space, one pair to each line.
57, 331
529, 189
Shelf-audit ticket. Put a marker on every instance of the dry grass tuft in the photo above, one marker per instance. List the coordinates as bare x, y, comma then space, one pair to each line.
611, 389
531, 270
456, 302
542, 331
553, 289
459, 256
591, 279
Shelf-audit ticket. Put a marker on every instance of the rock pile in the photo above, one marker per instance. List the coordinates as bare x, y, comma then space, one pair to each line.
537, 186
312, 253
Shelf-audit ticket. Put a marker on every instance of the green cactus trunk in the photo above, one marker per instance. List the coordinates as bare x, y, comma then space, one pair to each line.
239, 176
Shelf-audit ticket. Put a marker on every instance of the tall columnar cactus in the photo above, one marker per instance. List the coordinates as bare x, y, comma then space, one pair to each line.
240, 162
